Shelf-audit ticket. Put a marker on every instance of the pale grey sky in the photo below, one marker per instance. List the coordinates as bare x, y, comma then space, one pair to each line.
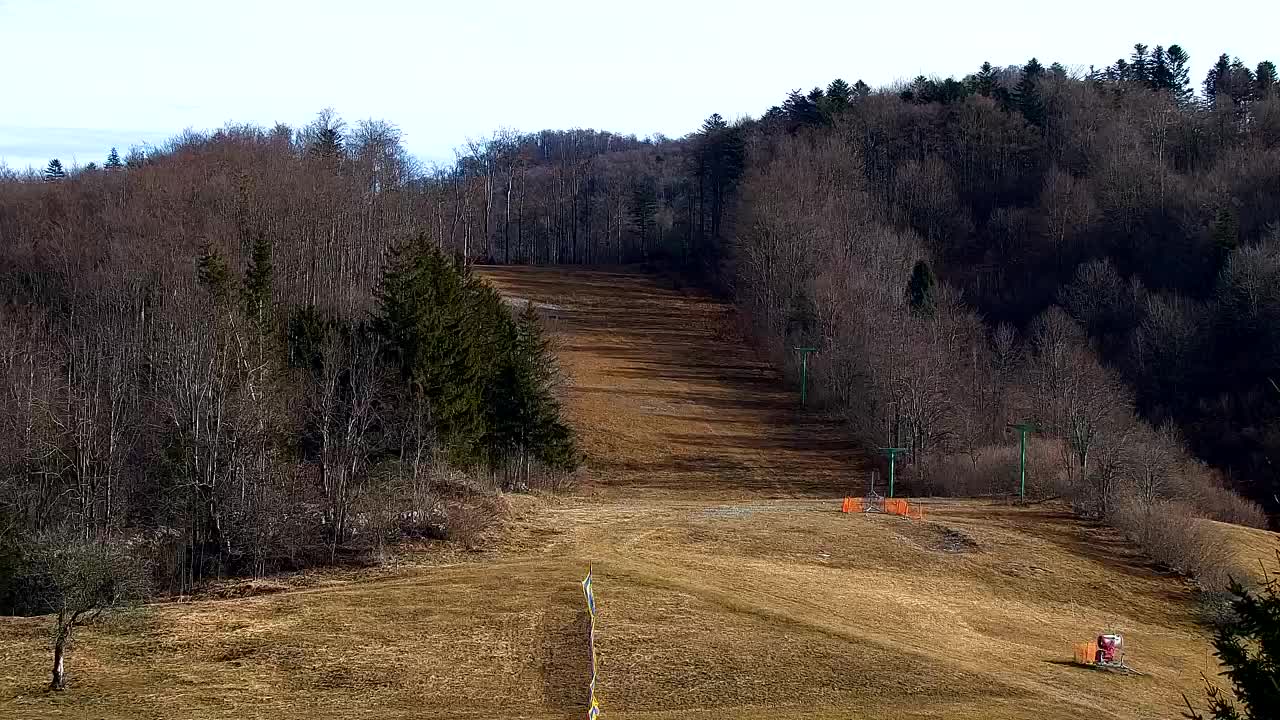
80, 76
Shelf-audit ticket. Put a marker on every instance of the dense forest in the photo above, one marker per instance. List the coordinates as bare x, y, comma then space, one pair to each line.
252, 342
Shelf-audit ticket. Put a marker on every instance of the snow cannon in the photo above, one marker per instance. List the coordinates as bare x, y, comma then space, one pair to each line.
1110, 650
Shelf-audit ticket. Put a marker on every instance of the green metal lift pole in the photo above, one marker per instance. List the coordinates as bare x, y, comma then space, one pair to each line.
892, 452
1023, 428
804, 372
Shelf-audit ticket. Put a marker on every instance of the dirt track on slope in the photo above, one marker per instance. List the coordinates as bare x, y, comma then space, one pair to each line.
671, 401
729, 585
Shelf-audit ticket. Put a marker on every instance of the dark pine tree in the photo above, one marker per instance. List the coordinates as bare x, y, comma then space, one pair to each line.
526, 418
113, 161
1027, 96
921, 288
256, 293
54, 172
644, 210
1120, 72
1180, 71
719, 157
801, 111
919, 91
1241, 86
1161, 72
214, 275
434, 341
1140, 65
836, 100
861, 90
1216, 80
1225, 235
1265, 78
1248, 646
984, 82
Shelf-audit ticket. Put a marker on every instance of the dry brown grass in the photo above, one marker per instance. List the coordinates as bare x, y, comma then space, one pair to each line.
729, 585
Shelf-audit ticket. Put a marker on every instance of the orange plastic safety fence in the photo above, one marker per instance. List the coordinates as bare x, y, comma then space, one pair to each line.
897, 507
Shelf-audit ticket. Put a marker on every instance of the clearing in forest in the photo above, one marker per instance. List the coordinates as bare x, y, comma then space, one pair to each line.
729, 584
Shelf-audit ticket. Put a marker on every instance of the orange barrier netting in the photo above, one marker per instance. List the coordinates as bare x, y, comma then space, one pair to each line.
892, 506
897, 506
1086, 653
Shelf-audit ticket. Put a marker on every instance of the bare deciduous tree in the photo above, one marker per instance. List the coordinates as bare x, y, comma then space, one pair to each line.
82, 580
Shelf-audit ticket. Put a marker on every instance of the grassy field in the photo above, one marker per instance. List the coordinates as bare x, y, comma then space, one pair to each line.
729, 585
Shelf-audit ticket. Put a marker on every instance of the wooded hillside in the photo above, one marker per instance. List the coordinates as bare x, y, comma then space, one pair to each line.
198, 335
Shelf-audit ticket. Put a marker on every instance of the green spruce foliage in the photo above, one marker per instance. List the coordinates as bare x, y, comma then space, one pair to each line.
214, 275
1265, 79
423, 323
54, 172
1027, 96
256, 293
837, 99
984, 81
1249, 648
920, 288
526, 422
485, 375
1225, 234
644, 209
1180, 73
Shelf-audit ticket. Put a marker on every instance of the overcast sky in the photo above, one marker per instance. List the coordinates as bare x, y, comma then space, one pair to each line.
79, 76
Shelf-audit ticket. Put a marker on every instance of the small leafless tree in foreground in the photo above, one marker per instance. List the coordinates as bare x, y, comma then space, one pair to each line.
83, 579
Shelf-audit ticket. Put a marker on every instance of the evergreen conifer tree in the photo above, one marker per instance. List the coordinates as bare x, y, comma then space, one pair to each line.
985, 80
256, 293
436, 344
214, 275
836, 100
1161, 72
1027, 95
536, 426
644, 209
1241, 86
54, 171
1140, 65
861, 89
1180, 72
1121, 71
921, 287
801, 111
1225, 234
1249, 646
839, 90
113, 161
1265, 78
1217, 78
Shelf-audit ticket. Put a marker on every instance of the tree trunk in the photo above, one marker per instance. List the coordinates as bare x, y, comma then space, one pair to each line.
59, 681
